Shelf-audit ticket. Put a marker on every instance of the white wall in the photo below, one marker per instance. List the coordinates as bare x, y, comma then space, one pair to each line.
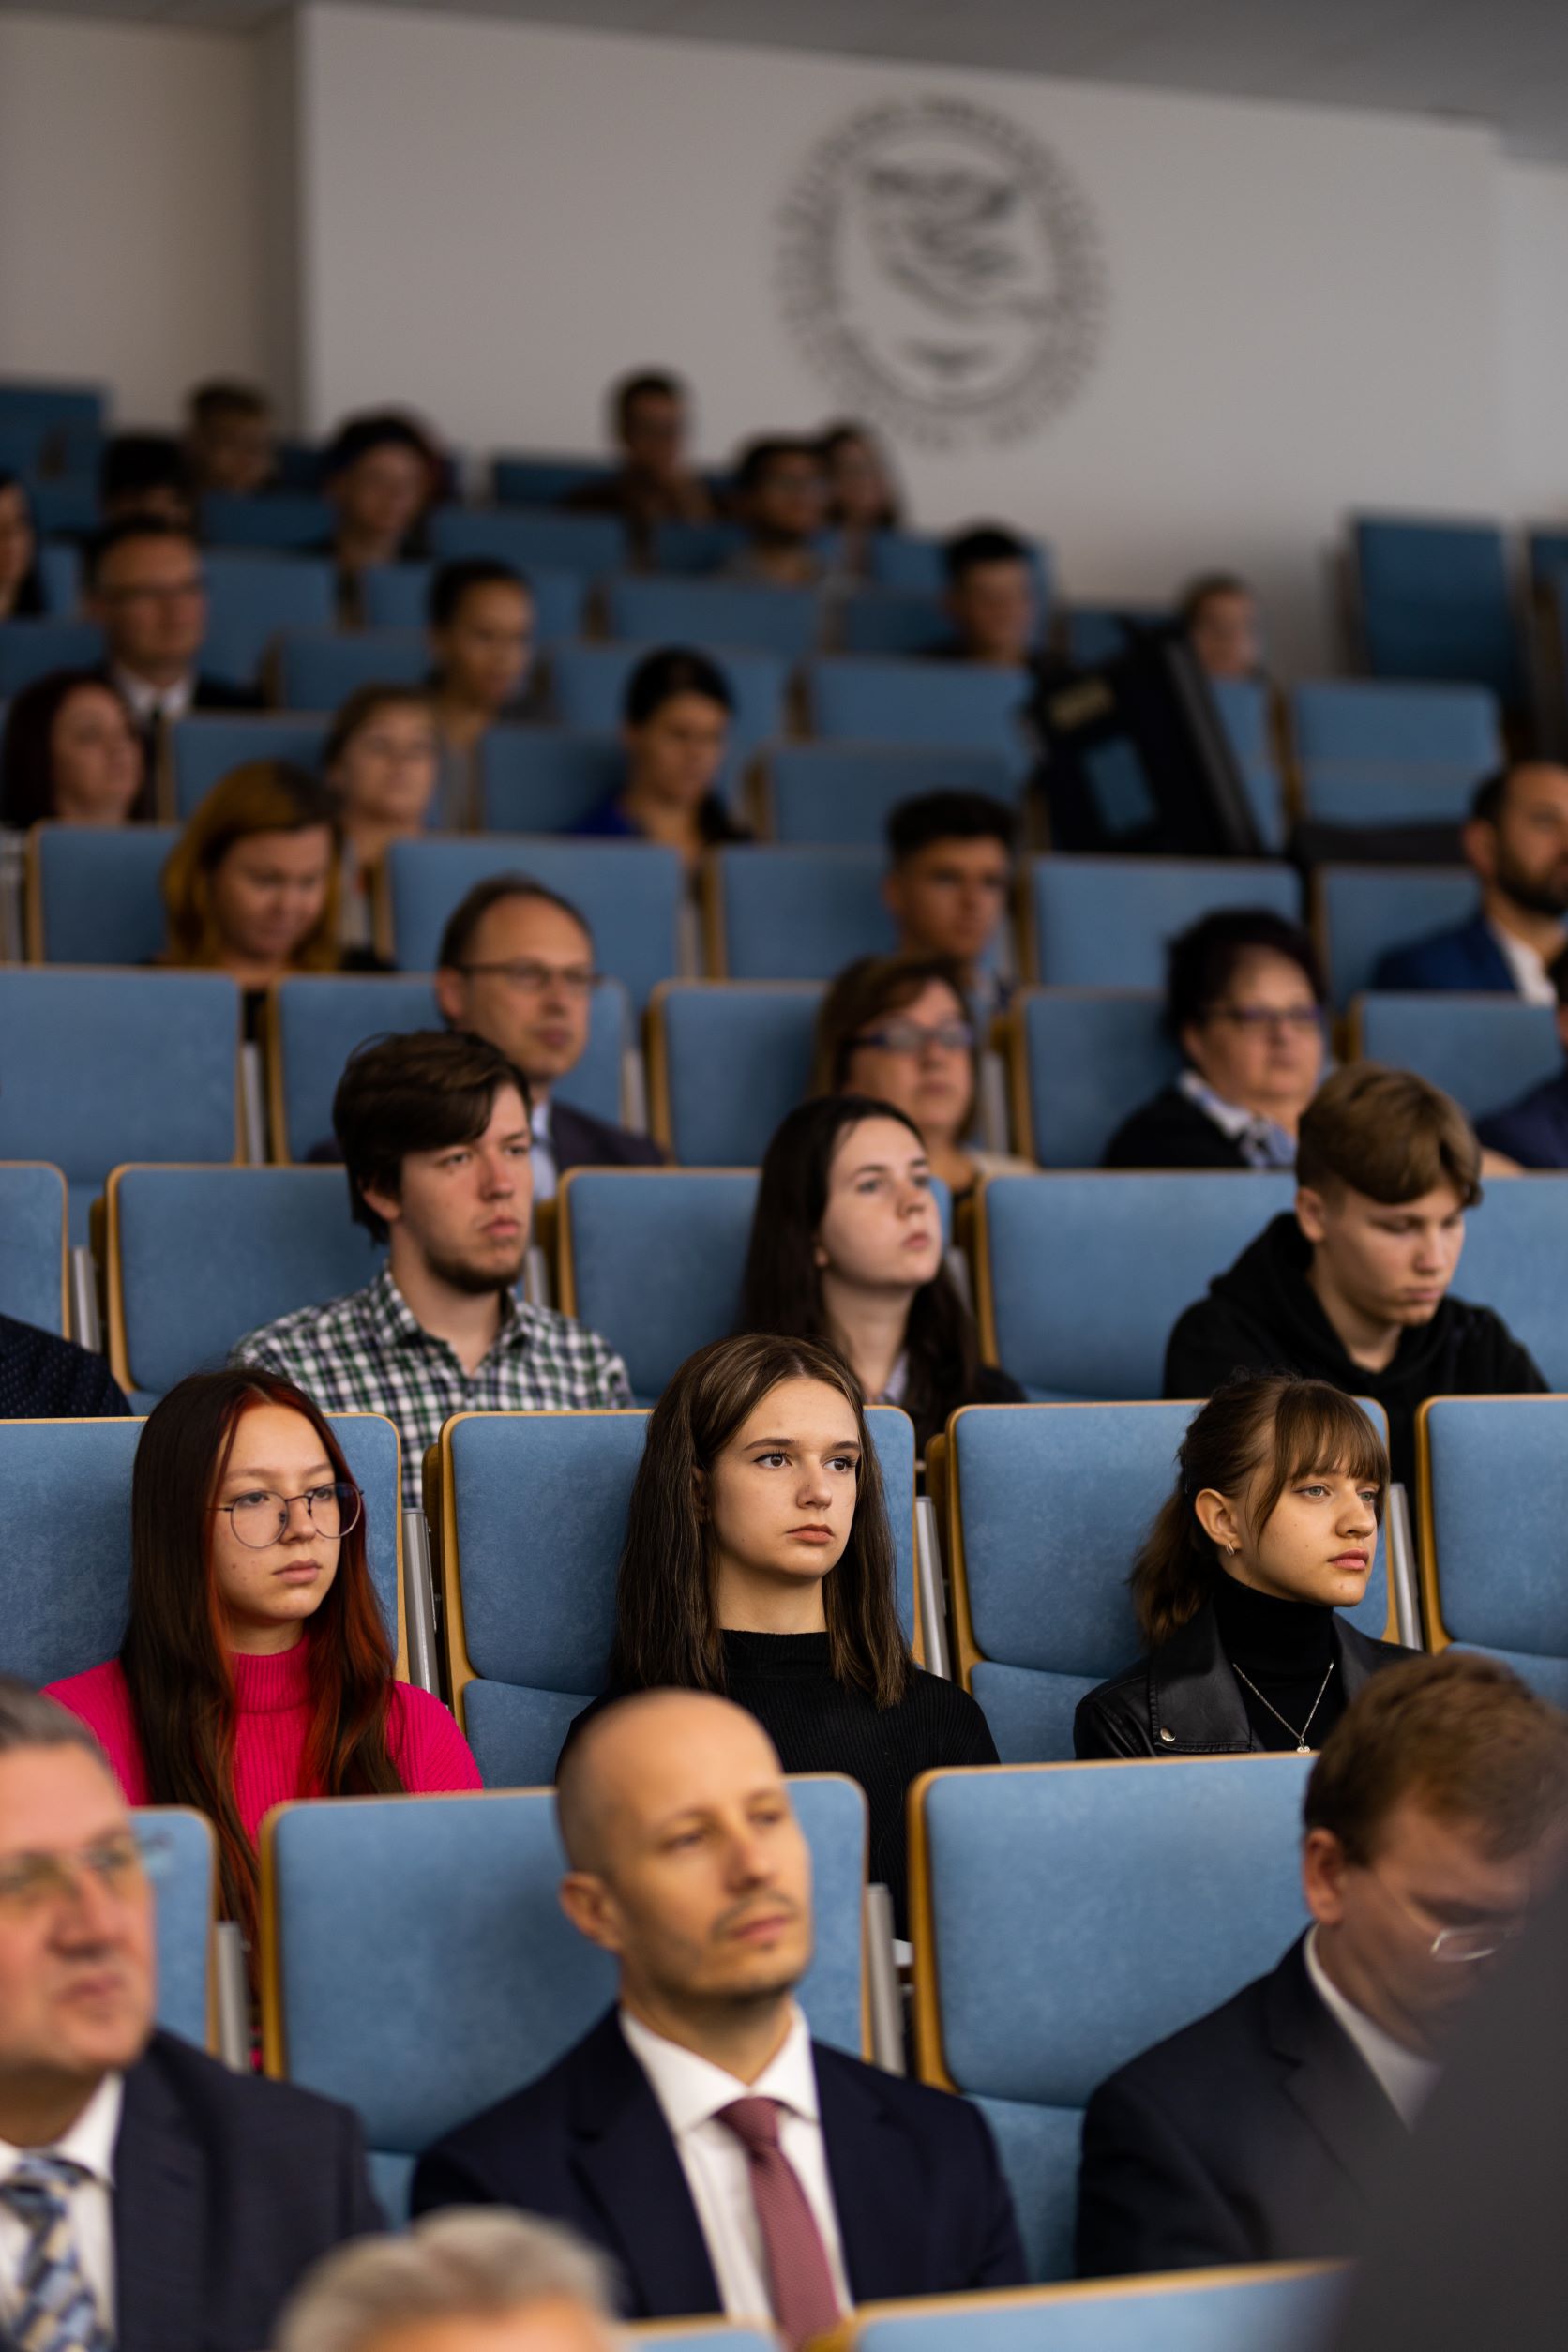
130, 190
1533, 260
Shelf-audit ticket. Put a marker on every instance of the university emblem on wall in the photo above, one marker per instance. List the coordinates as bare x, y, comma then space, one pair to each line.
940, 268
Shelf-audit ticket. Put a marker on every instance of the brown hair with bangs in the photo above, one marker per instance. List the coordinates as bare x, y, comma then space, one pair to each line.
1257, 1436
1387, 1134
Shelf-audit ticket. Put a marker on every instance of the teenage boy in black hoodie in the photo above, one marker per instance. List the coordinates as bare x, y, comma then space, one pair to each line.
1353, 1287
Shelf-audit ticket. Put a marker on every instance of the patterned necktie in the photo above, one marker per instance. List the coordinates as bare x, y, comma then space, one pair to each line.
803, 2301
54, 2310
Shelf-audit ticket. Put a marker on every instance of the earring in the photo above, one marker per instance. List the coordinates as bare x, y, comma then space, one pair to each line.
1232, 1549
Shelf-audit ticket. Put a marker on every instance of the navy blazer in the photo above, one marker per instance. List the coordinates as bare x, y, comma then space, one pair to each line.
921, 2206
1534, 1130
581, 1141
1468, 958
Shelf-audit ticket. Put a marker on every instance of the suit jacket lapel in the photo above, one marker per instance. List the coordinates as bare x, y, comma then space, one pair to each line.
623, 2152
160, 2221
876, 2190
1328, 2080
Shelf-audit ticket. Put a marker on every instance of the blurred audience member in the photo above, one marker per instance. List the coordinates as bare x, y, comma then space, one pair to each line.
458, 2283
21, 588
654, 483
230, 439
991, 598
949, 875
145, 473
781, 494
145, 591
482, 621
434, 1130
380, 761
675, 726
1354, 1287
43, 1378
71, 755
380, 475
1516, 842
1219, 613
516, 967
897, 1028
863, 495
1433, 1822
1239, 1585
846, 1251
1246, 1006
1534, 1132
149, 2197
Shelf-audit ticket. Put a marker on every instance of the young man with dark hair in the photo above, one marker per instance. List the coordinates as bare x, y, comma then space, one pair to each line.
1516, 842
481, 619
781, 493
1354, 1287
991, 598
145, 473
229, 442
381, 474
654, 483
1433, 1822
1219, 613
949, 874
144, 588
516, 967
434, 1132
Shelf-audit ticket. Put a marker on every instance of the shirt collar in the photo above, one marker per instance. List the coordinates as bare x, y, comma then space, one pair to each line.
396, 1324
144, 700
1404, 2076
1270, 1146
1526, 965
90, 2141
691, 2089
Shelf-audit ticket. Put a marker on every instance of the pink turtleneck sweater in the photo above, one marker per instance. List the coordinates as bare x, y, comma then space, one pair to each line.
273, 1697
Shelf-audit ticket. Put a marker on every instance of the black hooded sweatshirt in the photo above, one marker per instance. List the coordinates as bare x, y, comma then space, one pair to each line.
1263, 1316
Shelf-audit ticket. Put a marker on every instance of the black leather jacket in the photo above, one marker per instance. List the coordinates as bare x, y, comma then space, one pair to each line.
1182, 1699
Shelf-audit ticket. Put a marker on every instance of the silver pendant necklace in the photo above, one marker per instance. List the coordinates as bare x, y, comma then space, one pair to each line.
1299, 1737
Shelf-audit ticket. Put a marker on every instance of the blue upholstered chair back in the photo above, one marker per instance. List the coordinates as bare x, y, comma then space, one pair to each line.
898, 622
31, 649
206, 745
588, 688
397, 597
798, 914
693, 548
185, 1888
1105, 922
98, 891
1090, 1057
1516, 1262
1086, 1273
628, 892
758, 618
857, 698
1051, 1892
731, 1060
66, 1599
533, 1623
1510, 1597
318, 1020
1484, 1050
546, 779
1436, 602
319, 668
97, 1067
251, 597
1245, 713
1366, 910
297, 522
32, 1241
1374, 722
917, 565
524, 478
1266, 2311
840, 796
429, 1926
201, 1255
554, 542
1054, 1502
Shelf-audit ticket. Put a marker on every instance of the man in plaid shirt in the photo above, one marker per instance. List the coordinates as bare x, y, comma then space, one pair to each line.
434, 1132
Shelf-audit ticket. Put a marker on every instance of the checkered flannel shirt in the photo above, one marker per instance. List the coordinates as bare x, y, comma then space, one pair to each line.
366, 1354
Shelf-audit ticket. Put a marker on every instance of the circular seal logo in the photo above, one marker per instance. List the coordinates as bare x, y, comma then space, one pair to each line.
942, 270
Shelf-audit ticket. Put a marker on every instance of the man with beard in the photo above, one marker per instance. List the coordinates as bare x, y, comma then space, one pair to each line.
1518, 842
434, 1132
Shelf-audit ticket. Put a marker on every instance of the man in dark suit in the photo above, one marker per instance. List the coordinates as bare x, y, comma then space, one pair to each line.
1534, 1130
149, 2198
697, 2133
1259, 2134
516, 967
1518, 842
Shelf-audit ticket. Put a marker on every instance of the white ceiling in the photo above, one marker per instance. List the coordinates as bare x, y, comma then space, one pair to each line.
1503, 63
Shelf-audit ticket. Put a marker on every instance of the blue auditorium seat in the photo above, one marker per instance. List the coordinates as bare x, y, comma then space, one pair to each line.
1081, 1277
395, 596
31, 649
1084, 1060
32, 1241
198, 1257
840, 796
676, 611
65, 1600
726, 1061
206, 746
97, 1067
918, 566
318, 669
531, 481
554, 541
860, 700
1516, 1262
1484, 1050
428, 1927
1272, 2308
588, 688
1043, 1896
93, 893
795, 914
1098, 633
894, 621
1105, 922
67, 507
628, 892
695, 547
60, 570
546, 779
183, 1865
1245, 713
1507, 1597
252, 598
1046, 1507
1364, 911
284, 520
1436, 602
1374, 753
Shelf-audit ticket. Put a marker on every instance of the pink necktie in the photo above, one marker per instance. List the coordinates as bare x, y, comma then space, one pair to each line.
804, 2302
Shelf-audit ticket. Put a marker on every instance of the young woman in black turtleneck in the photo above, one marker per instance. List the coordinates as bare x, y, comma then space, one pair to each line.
1238, 1589
759, 1562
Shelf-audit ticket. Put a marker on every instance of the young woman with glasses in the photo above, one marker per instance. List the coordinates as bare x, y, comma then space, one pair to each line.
255, 1665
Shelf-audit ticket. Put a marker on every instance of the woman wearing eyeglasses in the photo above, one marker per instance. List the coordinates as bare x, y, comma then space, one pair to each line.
255, 1665
897, 1028
1244, 1007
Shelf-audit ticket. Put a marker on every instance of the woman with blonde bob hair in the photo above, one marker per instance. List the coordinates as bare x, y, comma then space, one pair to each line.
1268, 1535
759, 1562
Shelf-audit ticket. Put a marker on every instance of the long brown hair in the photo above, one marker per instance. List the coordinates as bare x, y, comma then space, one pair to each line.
175, 1655
666, 1628
262, 796
868, 990
1274, 1424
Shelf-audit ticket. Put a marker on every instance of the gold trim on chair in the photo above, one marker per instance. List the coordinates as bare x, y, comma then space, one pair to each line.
939, 2307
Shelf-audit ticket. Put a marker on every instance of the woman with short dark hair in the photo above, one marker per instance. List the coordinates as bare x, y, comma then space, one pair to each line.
676, 724
22, 587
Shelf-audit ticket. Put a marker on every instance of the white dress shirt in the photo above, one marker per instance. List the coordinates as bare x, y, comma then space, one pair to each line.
690, 2090
90, 2143
1405, 2078
1529, 969
541, 1159
148, 702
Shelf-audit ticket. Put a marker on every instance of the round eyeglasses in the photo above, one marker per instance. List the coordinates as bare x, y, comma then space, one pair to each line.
261, 1519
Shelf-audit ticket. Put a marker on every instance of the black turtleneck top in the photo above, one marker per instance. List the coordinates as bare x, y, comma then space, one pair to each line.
1286, 1648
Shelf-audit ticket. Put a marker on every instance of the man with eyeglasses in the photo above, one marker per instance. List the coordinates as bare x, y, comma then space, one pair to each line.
145, 591
150, 2199
516, 968
1433, 1819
